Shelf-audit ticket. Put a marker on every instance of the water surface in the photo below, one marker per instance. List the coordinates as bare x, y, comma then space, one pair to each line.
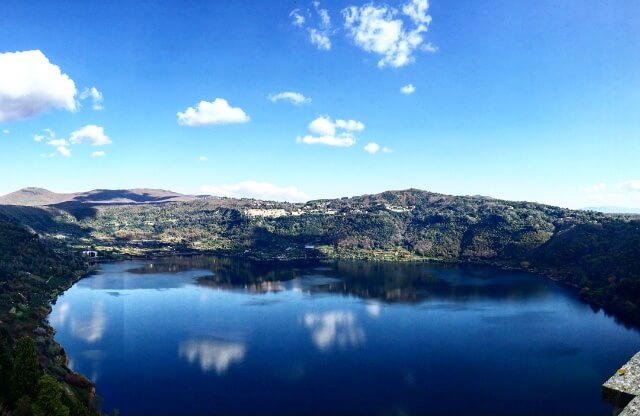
204, 335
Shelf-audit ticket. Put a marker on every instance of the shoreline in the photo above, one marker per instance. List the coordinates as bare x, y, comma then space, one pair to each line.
560, 277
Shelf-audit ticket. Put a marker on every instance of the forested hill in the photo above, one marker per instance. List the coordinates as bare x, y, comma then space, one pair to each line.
32, 273
595, 252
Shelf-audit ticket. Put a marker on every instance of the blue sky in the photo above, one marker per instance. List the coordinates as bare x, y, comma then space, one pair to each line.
527, 100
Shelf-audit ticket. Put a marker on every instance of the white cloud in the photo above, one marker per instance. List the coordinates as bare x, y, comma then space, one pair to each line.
98, 154
91, 134
352, 125
630, 185
323, 126
417, 10
31, 85
95, 95
334, 328
203, 158
213, 112
327, 132
212, 355
296, 18
320, 39
382, 30
291, 96
61, 145
50, 134
342, 140
256, 189
593, 188
58, 142
387, 150
372, 147
319, 34
64, 151
407, 89
6, 131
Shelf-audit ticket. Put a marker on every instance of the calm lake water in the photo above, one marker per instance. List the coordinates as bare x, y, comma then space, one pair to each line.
220, 336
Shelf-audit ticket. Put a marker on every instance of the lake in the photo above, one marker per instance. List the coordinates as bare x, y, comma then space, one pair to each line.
207, 335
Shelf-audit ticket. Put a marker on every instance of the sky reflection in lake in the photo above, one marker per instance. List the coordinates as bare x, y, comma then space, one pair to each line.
220, 336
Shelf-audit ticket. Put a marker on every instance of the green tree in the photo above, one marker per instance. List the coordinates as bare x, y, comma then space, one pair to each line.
49, 398
6, 366
23, 406
26, 370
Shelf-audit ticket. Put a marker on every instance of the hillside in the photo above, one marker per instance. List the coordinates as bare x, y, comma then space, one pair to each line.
32, 273
595, 252
37, 197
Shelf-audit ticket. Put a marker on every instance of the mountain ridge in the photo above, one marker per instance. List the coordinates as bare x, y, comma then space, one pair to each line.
599, 254
36, 197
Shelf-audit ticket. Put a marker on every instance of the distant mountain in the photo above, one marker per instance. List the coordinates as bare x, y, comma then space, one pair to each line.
615, 210
36, 197
33, 196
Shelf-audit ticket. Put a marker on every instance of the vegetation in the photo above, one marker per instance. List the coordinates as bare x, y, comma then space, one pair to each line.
597, 253
33, 271
40, 256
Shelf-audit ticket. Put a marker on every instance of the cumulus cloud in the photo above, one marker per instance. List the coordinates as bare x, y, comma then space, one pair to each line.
342, 140
6, 131
31, 85
64, 151
338, 133
417, 10
290, 96
387, 32
320, 39
203, 158
323, 126
372, 147
319, 30
50, 134
61, 145
352, 125
256, 189
213, 112
92, 134
58, 142
95, 95
407, 89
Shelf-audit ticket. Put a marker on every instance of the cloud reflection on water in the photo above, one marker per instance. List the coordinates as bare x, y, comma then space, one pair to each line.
59, 315
93, 329
212, 355
334, 328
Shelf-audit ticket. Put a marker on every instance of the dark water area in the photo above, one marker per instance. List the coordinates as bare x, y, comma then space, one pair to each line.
206, 335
